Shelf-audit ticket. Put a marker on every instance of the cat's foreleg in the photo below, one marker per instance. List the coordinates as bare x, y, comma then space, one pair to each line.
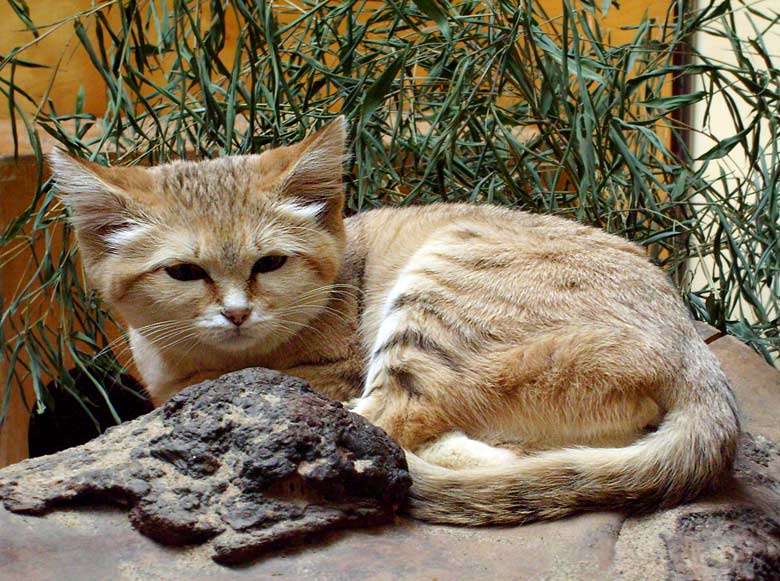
351, 404
421, 381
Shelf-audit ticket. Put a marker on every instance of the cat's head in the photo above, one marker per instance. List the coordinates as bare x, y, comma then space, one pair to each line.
230, 253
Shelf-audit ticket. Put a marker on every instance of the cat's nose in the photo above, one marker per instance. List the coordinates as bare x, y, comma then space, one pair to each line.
236, 315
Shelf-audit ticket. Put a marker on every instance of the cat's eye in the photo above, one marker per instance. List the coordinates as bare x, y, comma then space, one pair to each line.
186, 272
269, 263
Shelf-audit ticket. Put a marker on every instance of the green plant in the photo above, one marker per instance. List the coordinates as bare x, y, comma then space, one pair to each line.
469, 101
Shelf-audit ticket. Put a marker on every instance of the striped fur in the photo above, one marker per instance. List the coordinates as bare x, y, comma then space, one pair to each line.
531, 366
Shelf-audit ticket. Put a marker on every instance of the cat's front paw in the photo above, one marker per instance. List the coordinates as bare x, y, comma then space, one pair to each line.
350, 403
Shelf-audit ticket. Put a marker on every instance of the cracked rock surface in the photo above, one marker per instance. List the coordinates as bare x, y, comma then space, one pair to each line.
247, 462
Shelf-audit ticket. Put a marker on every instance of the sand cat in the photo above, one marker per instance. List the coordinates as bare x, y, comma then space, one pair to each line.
453, 327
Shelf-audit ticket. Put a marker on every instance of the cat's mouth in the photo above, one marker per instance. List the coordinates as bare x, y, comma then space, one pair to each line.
232, 338
238, 335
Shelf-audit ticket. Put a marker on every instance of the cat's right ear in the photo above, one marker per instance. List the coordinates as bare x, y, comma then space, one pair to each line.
316, 175
102, 210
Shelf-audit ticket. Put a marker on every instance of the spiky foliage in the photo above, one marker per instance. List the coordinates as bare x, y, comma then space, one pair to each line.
470, 101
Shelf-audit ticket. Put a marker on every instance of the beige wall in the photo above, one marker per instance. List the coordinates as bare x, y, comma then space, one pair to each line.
719, 126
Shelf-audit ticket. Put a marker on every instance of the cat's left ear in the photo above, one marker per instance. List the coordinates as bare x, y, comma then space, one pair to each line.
315, 177
105, 203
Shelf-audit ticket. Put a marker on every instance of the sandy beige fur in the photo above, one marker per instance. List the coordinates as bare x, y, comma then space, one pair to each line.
453, 327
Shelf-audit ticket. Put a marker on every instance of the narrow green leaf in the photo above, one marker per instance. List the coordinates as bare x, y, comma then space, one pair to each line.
438, 13
674, 102
724, 147
383, 85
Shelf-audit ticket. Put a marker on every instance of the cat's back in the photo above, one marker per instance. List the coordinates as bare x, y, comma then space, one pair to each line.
390, 236
508, 265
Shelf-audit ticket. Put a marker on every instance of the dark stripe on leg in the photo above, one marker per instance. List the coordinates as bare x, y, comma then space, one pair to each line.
443, 310
405, 380
421, 342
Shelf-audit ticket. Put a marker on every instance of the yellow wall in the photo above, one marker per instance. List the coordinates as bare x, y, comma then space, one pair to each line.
61, 47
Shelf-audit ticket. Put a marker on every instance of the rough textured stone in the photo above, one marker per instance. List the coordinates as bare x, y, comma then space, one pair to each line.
737, 543
250, 461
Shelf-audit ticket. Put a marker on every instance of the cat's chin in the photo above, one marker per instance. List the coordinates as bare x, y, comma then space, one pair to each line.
234, 342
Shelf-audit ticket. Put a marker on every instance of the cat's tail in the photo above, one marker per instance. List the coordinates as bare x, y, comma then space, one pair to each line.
690, 453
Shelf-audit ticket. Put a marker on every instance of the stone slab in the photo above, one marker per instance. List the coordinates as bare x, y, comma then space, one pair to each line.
100, 544
742, 542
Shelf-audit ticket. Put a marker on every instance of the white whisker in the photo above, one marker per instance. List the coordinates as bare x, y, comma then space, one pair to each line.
177, 341
303, 325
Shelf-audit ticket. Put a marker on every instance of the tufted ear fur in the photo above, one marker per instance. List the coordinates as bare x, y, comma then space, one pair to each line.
104, 205
314, 179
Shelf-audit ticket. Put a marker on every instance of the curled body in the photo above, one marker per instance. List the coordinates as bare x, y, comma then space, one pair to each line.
531, 366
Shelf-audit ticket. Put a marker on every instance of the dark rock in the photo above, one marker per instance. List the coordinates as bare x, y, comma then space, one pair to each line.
251, 461
738, 543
